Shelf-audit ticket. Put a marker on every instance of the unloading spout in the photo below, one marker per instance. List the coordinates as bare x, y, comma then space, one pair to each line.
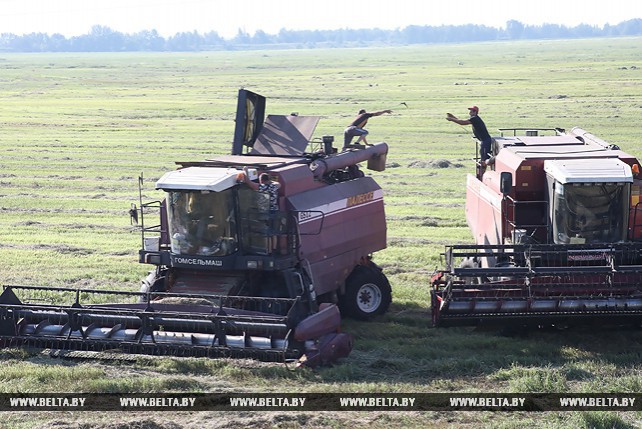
375, 155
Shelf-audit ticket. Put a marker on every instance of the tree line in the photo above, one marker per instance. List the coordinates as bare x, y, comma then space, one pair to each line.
104, 39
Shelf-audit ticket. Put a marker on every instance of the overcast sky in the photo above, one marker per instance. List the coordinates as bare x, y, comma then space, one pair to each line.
168, 17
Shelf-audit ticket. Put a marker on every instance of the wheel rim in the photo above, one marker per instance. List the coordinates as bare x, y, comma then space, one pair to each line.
369, 298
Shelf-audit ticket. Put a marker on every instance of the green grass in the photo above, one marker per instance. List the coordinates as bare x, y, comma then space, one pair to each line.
78, 130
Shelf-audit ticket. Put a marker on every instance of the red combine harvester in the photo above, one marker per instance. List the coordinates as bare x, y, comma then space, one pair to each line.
557, 225
233, 277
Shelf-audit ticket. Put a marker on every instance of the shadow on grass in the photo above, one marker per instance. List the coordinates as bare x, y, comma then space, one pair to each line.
402, 347
403, 351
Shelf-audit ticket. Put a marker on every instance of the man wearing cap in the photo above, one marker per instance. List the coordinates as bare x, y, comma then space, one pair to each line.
479, 131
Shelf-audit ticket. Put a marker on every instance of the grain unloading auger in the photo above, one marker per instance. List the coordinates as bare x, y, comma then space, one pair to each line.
236, 272
558, 231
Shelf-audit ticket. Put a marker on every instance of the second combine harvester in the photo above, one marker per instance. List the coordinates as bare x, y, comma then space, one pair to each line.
558, 228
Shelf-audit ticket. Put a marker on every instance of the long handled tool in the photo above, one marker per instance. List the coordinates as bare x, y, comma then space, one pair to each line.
403, 103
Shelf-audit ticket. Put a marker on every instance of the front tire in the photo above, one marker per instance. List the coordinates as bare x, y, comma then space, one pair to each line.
368, 294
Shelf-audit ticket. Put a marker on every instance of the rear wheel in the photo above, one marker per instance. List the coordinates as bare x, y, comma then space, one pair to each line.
368, 294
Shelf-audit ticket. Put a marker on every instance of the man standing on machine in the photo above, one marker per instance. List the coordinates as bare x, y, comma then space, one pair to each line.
357, 127
479, 131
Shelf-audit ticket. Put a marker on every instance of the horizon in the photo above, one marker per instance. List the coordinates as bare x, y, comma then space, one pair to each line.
169, 17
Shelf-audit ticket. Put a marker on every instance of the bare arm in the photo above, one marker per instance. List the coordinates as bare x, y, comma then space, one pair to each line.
381, 112
452, 118
248, 182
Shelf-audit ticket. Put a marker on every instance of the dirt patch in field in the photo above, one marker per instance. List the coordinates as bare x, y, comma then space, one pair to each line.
133, 424
234, 420
64, 249
435, 163
409, 241
421, 220
184, 301
28, 223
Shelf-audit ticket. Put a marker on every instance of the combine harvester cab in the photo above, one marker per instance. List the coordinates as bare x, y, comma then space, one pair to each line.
558, 230
232, 276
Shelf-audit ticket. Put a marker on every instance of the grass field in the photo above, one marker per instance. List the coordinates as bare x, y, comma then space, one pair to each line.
78, 130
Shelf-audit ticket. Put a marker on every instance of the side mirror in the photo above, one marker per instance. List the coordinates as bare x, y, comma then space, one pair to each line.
506, 182
133, 215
